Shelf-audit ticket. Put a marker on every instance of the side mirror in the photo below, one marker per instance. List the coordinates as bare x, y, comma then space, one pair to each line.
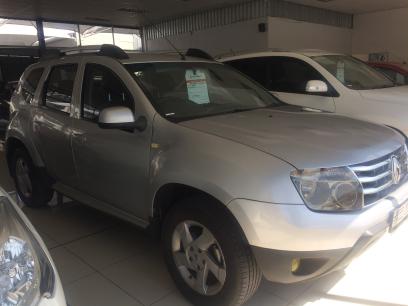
119, 117
316, 86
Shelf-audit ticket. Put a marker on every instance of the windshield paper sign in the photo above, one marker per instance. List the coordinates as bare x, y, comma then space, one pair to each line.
197, 86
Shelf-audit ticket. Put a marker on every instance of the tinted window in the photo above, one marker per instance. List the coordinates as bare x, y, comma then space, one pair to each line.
59, 86
255, 68
290, 75
29, 85
102, 88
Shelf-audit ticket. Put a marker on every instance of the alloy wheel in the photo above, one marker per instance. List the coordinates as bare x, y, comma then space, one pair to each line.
199, 258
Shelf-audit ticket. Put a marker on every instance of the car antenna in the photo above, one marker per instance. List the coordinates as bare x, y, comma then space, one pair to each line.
183, 57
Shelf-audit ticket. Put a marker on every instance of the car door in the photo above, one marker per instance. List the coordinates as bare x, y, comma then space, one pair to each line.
286, 78
52, 122
112, 164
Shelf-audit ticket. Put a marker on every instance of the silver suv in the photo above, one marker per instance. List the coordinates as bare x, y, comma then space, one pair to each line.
239, 184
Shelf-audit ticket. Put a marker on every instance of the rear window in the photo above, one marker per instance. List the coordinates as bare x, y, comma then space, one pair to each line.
30, 84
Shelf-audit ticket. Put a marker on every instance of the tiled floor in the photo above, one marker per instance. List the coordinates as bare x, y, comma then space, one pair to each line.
103, 261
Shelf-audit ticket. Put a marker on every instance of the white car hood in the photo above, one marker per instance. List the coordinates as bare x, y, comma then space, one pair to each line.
303, 139
397, 95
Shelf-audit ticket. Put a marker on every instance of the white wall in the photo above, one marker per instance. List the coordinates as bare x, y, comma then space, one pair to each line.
382, 32
296, 35
243, 36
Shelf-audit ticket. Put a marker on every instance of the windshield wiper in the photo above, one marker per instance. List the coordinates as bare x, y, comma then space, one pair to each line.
230, 111
385, 86
239, 110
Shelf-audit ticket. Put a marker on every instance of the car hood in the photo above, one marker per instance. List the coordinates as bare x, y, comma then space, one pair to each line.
303, 139
397, 95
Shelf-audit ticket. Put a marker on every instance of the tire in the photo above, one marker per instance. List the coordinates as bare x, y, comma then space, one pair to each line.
32, 184
238, 273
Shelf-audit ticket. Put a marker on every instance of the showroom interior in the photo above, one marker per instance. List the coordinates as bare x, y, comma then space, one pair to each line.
114, 259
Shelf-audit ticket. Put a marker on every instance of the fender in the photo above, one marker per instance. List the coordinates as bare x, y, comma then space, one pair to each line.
199, 185
16, 131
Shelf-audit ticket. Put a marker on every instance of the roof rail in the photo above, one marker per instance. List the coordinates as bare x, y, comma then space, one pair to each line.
243, 52
103, 50
50, 54
199, 53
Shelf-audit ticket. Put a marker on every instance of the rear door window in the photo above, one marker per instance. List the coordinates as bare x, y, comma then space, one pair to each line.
59, 86
30, 83
256, 68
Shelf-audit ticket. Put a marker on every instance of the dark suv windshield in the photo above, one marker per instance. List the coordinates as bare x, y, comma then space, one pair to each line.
186, 90
353, 73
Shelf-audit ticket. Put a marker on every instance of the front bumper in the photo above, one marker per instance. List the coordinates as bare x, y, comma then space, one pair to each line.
277, 266
323, 242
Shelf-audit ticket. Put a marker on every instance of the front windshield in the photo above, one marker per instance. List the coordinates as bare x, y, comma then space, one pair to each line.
187, 90
353, 73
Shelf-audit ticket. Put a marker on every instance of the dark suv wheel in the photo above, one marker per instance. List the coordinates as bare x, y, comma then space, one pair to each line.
207, 255
32, 184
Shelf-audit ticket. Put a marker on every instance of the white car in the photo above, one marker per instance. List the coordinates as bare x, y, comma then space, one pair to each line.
329, 82
27, 274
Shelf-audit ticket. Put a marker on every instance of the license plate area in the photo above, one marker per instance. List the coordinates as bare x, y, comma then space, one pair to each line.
398, 216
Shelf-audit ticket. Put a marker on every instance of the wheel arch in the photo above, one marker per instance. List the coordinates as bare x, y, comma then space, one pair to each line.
170, 194
167, 195
13, 143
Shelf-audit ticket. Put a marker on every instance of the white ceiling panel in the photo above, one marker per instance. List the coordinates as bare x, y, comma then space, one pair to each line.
355, 6
130, 13
133, 13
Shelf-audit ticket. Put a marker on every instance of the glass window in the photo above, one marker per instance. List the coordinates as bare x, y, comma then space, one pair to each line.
394, 75
186, 90
353, 73
255, 68
127, 39
95, 35
59, 87
102, 88
290, 75
18, 32
29, 84
61, 35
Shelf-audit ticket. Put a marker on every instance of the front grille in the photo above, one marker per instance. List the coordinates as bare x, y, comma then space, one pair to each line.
376, 175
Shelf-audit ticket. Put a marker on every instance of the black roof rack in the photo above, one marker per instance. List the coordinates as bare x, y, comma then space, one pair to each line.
112, 51
199, 53
103, 50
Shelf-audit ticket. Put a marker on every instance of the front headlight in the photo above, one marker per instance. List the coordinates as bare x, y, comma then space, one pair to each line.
25, 271
329, 189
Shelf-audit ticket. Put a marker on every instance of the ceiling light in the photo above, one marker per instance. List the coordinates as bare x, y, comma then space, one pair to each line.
132, 10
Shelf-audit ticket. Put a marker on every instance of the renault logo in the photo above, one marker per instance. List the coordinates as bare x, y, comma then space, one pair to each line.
395, 170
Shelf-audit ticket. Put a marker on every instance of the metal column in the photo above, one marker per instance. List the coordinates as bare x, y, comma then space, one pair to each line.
40, 35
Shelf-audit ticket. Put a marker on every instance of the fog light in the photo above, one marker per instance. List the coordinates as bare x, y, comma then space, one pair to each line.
295, 265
